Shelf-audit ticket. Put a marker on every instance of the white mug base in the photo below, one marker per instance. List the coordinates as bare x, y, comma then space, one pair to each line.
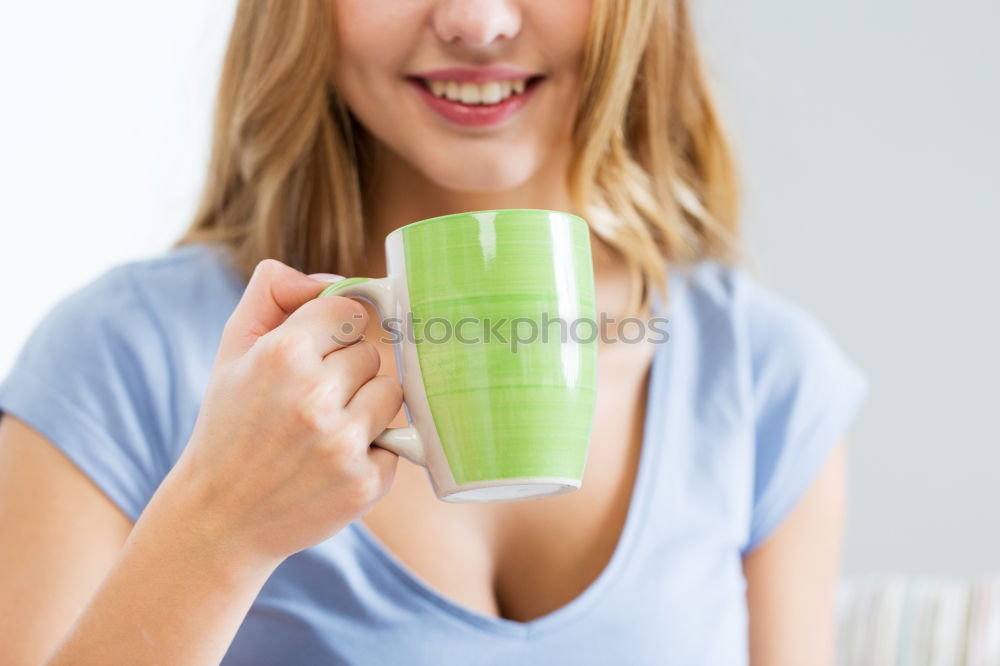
508, 490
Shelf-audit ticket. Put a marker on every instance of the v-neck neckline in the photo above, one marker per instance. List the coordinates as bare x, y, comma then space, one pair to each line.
599, 587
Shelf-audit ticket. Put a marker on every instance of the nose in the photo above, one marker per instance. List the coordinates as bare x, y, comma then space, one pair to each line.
476, 22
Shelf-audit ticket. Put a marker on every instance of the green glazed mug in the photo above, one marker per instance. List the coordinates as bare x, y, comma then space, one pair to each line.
492, 319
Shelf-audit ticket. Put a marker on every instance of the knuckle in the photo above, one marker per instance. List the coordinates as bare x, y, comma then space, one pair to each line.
313, 408
289, 347
354, 434
335, 457
364, 488
312, 413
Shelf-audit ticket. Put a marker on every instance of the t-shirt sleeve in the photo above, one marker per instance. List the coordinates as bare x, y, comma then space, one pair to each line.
94, 379
806, 393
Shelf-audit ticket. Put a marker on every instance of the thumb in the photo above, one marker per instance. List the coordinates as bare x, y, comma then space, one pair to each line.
274, 291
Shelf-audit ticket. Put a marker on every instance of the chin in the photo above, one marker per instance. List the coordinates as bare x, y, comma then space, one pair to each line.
489, 173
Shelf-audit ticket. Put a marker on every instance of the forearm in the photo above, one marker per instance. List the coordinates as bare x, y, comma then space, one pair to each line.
175, 595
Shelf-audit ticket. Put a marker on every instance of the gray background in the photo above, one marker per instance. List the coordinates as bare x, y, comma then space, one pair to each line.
868, 132
866, 128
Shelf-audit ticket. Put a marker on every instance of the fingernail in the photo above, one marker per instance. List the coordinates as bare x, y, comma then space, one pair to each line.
326, 277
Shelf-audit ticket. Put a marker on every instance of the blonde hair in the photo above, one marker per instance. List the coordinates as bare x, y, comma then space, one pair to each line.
651, 168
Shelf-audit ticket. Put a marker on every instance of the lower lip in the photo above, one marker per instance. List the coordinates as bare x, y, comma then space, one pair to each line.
474, 115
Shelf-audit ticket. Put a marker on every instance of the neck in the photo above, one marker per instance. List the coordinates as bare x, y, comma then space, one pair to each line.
399, 194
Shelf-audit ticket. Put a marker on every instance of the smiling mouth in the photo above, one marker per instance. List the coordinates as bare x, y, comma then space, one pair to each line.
477, 94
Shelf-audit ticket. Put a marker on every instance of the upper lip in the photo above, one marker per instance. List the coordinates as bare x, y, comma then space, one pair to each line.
474, 74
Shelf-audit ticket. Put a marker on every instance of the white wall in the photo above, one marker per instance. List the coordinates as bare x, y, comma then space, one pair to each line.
104, 130
867, 129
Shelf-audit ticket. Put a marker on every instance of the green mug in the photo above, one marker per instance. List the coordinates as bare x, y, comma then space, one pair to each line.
493, 322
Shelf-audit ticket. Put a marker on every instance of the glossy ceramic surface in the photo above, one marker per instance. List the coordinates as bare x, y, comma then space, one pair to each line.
507, 404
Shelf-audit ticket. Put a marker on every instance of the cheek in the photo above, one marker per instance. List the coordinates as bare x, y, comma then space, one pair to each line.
372, 41
562, 27
365, 78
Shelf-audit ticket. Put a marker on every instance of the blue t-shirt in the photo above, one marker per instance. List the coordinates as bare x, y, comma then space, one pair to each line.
747, 398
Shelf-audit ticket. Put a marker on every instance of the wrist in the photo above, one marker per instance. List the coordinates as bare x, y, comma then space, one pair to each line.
179, 519
179, 578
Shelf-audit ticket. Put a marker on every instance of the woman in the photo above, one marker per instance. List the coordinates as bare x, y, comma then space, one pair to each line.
185, 469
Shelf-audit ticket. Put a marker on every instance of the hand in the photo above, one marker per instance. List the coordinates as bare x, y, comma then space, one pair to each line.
280, 456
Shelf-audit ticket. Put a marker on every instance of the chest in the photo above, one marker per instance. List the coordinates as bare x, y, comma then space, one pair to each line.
522, 560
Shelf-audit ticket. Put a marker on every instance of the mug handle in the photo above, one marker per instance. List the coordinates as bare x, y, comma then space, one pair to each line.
403, 441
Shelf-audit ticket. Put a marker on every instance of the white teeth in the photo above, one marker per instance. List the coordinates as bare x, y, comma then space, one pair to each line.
470, 93
491, 92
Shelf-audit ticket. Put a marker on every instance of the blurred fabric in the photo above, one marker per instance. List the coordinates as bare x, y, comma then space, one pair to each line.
888, 620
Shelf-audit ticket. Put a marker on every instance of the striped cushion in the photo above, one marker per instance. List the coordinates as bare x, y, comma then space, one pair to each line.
903, 621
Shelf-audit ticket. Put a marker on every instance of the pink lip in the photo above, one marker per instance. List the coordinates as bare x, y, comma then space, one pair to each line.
475, 75
474, 115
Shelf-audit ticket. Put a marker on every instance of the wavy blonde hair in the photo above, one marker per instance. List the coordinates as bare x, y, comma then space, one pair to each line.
651, 167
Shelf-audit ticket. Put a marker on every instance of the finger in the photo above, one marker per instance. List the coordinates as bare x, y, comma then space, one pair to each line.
385, 462
272, 294
326, 324
352, 366
377, 402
